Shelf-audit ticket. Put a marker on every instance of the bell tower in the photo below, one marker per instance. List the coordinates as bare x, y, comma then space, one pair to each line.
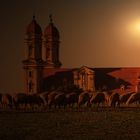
33, 64
51, 44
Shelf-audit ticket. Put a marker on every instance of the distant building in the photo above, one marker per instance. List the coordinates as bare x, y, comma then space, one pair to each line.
42, 75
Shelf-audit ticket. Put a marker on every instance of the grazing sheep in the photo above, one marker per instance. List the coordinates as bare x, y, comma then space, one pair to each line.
35, 101
60, 100
83, 98
125, 97
25, 100
19, 99
134, 98
72, 98
98, 98
115, 99
51, 97
6, 101
44, 97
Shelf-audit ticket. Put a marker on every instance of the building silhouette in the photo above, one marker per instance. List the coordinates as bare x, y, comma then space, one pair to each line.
46, 74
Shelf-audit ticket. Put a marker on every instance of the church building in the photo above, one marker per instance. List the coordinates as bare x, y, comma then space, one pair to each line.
45, 74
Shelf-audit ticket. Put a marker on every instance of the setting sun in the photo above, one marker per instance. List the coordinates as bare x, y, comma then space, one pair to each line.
134, 27
137, 26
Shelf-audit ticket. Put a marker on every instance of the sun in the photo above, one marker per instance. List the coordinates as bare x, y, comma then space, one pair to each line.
134, 27
137, 27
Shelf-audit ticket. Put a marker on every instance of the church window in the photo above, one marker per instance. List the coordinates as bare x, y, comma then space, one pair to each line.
78, 77
48, 49
30, 74
30, 51
30, 86
48, 53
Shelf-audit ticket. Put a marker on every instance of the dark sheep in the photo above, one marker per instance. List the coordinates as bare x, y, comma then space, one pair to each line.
98, 98
83, 98
72, 98
22, 99
6, 101
34, 100
51, 97
115, 100
125, 97
60, 100
134, 98
44, 97
19, 99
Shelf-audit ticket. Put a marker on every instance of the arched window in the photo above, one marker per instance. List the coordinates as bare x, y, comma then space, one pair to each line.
30, 74
30, 86
30, 51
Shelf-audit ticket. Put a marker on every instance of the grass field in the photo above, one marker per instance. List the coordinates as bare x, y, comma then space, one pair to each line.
71, 125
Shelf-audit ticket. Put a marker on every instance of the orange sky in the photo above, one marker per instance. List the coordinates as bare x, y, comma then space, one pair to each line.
96, 33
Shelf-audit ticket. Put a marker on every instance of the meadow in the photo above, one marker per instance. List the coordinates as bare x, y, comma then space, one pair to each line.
90, 124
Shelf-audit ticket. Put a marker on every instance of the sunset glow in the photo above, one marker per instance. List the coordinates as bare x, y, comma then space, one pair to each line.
134, 28
137, 26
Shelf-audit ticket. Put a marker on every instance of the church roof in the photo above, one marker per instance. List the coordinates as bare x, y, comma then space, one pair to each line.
130, 75
33, 27
111, 77
52, 71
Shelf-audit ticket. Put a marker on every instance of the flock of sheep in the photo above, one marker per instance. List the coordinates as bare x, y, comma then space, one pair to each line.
61, 99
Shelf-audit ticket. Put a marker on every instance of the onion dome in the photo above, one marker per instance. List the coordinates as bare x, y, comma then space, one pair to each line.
51, 31
33, 28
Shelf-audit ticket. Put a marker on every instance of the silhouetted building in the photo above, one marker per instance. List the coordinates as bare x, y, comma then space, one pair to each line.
42, 75
33, 64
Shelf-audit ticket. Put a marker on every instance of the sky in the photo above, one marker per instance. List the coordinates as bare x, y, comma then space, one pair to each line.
95, 33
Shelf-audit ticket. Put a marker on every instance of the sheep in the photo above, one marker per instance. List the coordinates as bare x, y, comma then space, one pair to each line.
115, 99
98, 98
51, 97
134, 98
24, 100
6, 100
72, 98
83, 98
60, 100
125, 97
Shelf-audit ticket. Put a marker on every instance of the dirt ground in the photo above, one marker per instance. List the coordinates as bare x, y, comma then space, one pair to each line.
71, 125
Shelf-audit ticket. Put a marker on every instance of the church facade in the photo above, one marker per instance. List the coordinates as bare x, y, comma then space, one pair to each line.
45, 74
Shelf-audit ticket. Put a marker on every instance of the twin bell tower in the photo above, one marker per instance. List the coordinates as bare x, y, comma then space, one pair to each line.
36, 42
